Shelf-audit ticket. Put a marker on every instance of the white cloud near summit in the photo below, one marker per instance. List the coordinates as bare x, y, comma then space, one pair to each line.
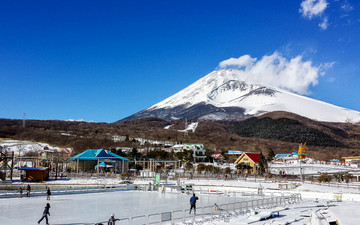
242, 61
274, 70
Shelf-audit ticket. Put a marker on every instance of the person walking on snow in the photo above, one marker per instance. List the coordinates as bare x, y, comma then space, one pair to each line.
193, 203
45, 213
20, 192
28, 189
48, 193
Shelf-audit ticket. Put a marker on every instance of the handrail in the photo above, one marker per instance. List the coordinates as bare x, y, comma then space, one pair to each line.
136, 217
66, 190
208, 212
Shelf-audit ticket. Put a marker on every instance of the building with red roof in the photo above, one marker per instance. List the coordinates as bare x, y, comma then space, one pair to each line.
251, 159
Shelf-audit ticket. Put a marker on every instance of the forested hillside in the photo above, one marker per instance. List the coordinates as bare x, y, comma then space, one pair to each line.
281, 132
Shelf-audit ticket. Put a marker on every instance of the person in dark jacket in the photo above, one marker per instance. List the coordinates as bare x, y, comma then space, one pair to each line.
45, 213
20, 192
112, 220
28, 189
48, 193
193, 203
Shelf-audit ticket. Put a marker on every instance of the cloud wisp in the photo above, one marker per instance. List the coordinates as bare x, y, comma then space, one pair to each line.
324, 24
242, 62
346, 6
311, 8
274, 70
315, 8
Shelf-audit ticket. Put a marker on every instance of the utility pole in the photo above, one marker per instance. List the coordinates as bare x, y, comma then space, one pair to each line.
135, 166
213, 166
186, 131
24, 118
12, 166
301, 174
56, 167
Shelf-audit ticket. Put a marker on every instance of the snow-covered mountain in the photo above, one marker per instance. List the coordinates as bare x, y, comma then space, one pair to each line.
225, 95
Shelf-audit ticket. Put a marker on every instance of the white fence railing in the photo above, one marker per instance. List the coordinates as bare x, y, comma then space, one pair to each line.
207, 213
66, 190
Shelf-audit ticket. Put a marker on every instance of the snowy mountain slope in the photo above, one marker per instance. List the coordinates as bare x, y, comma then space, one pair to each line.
23, 147
225, 95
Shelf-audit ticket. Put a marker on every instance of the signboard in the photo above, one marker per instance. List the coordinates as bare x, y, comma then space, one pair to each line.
157, 179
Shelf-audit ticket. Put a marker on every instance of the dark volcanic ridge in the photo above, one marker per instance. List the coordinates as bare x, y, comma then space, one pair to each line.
199, 112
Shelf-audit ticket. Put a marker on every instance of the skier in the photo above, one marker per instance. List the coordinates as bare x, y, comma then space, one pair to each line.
193, 203
28, 189
112, 220
48, 193
46, 211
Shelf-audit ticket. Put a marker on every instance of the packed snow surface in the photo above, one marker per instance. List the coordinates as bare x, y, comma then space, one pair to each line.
97, 207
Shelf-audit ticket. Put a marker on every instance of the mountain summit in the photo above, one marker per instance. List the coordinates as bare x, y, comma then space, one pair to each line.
225, 95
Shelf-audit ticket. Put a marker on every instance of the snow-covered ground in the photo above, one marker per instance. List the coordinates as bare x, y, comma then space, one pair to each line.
23, 147
318, 203
309, 169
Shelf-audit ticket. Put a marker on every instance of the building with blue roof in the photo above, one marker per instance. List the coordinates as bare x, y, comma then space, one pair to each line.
94, 159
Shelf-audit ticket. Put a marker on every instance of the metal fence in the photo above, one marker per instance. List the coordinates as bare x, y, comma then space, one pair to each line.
208, 213
353, 186
65, 190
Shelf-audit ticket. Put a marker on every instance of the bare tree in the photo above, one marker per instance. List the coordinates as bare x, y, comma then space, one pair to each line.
21, 147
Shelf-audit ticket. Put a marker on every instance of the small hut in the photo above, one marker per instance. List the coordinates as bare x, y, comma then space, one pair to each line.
36, 173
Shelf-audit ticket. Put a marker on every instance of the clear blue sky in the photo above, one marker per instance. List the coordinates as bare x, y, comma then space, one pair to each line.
104, 60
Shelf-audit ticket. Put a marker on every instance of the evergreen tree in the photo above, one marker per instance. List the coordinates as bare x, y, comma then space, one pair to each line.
271, 154
263, 164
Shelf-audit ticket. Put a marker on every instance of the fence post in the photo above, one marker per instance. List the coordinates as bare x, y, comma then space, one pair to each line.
183, 216
172, 217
